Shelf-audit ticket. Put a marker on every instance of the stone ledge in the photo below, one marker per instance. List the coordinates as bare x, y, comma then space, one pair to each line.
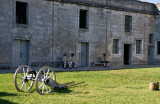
113, 7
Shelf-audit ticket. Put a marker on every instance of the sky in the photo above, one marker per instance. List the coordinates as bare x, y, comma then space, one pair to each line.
152, 1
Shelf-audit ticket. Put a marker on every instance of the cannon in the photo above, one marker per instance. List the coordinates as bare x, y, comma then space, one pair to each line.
45, 80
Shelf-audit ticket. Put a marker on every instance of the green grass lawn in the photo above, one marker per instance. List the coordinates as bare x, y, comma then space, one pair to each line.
130, 86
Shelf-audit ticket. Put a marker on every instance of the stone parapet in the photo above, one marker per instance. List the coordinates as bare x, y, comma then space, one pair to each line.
120, 5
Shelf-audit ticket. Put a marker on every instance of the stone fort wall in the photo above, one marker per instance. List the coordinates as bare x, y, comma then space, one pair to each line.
53, 29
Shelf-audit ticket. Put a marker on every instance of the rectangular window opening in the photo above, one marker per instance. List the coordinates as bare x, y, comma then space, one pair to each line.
151, 38
138, 46
21, 13
158, 47
83, 20
115, 46
128, 23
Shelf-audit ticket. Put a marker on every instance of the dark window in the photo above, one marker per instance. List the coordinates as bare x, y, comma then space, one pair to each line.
138, 46
83, 20
128, 23
151, 38
158, 47
21, 13
115, 46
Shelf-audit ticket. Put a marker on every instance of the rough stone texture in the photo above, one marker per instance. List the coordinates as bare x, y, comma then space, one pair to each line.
156, 36
142, 26
53, 30
38, 31
124, 5
132, 5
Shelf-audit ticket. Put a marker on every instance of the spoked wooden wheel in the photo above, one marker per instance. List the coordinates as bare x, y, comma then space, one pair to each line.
22, 79
45, 80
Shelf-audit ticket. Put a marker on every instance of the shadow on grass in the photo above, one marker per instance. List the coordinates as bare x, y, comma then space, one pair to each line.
32, 91
5, 101
66, 90
55, 90
135, 87
6, 94
62, 90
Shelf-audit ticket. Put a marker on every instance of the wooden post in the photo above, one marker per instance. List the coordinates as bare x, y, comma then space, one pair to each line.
152, 86
157, 85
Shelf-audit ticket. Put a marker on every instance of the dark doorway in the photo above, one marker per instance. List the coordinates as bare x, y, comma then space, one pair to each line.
150, 55
127, 54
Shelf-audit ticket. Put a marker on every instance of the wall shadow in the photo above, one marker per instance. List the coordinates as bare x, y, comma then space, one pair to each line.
5, 101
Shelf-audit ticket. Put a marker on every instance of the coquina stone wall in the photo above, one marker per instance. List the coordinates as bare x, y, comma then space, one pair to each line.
53, 29
38, 30
157, 36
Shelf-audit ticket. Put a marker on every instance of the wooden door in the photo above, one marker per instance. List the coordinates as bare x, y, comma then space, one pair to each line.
84, 54
20, 53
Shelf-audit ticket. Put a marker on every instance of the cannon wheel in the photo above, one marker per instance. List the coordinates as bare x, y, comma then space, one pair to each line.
22, 83
45, 80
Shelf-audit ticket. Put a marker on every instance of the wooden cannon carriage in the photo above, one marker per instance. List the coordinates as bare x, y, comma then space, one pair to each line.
45, 80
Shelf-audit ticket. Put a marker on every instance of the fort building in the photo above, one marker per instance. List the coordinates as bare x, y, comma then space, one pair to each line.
35, 32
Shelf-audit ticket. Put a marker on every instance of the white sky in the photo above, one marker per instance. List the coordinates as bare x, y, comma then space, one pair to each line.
152, 1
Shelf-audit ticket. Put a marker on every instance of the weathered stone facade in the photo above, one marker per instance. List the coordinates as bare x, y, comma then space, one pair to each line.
156, 56
53, 29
